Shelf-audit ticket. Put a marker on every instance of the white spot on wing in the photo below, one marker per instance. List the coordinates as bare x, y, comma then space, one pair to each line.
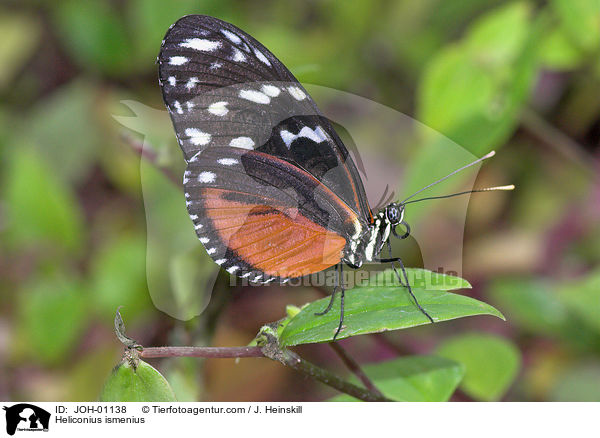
242, 142
198, 226
193, 217
271, 90
177, 106
211, 250
218, 108
220, 261
296, 93
215, 65
233, 269
206, 177
172, 81
231, 36
227, 161
255, 96
197, 137
261, 57
317, 135
287, 137
191, 82
178, 60
204, 239
200, 44
238, 56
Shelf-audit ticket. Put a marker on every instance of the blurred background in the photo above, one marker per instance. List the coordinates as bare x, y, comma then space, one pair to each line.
519, 77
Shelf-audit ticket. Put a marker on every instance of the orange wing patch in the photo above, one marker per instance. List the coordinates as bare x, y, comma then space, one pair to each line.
280, 242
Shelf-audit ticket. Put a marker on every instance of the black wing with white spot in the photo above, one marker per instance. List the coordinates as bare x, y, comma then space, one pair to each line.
224, 89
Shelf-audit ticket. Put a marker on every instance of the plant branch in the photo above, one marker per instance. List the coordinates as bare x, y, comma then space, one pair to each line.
215, 352
353, 366
269, 347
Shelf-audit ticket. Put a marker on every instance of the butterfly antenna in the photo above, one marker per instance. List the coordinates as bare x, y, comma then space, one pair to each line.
485, 157
487, 189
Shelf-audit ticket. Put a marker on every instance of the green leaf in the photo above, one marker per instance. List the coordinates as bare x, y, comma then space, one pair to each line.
421, 279
581, 19
413, 379
472, 91
583, 298
53, 314
143, 384
376, 309
40, 208
491, 363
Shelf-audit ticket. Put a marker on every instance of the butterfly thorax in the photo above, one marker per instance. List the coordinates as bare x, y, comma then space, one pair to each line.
366, 246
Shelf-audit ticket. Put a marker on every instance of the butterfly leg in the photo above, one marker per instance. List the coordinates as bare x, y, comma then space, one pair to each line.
337, 332
335, 287
339, 276
406, 282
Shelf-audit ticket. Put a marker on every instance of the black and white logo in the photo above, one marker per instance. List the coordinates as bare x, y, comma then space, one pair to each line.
26, 417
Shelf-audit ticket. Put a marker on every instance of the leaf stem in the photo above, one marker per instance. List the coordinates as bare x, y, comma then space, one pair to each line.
295, 362
353, 366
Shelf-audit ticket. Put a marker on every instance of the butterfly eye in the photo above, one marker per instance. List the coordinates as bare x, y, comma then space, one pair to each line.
394, 214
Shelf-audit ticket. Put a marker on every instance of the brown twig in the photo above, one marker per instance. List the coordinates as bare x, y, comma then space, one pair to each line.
284, 356
215, 352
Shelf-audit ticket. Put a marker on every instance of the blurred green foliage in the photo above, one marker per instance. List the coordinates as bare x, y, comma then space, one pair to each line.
84, 228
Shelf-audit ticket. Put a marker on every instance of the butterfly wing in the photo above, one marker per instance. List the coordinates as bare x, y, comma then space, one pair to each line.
225, 89
261, 217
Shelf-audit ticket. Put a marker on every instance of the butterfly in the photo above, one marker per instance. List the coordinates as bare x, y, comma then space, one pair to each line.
270, 187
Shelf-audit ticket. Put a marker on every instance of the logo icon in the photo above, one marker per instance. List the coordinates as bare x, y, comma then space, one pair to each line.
26, 417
